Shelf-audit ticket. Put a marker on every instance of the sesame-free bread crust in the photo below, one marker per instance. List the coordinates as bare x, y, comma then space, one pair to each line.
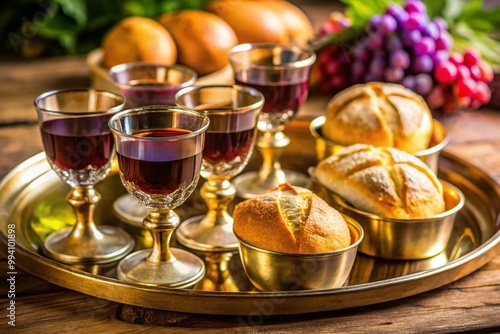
382, 180
291, 219
379, 114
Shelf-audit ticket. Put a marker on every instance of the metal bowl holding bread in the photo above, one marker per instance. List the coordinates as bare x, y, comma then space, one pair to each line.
379, 114
291, 239
404, 209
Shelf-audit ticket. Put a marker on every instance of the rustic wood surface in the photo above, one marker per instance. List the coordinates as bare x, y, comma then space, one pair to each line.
469, 305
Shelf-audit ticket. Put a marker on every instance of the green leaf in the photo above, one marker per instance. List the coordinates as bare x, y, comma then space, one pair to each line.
485, 20
345, 38
76, 9
472, 7
62, 29
465, 37
360, 11
435, 7
453, 10
134, 8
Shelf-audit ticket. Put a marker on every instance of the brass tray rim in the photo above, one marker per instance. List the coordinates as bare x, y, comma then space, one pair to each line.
29, 261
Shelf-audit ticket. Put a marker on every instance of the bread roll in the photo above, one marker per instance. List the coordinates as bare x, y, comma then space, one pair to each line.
203, 39
136, 39
379, 114
291, 220
382, 180
252, 21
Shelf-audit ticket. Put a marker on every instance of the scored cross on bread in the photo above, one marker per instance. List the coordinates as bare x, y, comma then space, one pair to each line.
291, 220
383, 181
379, 114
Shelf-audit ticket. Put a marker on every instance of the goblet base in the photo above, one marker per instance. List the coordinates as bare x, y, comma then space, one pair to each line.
193, 234
183, 271
113, 244
248, 185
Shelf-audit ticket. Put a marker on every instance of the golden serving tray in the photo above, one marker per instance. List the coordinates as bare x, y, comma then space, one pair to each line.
33, 198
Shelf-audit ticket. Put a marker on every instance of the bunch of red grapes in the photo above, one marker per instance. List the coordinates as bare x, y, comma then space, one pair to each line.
403, 45
333, 61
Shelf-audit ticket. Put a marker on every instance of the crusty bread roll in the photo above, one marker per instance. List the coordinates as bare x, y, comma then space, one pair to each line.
291, 220
203, 39
137, 38
379, 114
383, 181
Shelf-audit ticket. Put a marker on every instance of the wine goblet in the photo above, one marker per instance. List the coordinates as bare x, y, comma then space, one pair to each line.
149, 83
233, 112
159, 150
142, 84
79, 148
281, 74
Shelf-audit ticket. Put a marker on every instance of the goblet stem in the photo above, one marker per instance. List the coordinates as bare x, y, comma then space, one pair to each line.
271, 144
214, 230
161, 225
217, 192
163, 265
85, 242
218, 277
83, 200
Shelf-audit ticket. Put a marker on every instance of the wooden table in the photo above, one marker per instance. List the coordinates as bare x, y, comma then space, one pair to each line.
469, 305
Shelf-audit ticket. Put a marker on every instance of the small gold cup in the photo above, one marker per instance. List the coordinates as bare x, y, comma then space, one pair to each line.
326, 147
405, 239
276, 271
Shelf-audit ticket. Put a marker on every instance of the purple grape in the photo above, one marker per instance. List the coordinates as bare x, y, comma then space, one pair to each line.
423, 84
416, 21
393, 43
377, 66
430, 30
388, 24
400, 58
358, 68
376, 41
372, 77
415, 7
374, 23
325, 57
410, 37
394, 74
398, 13
444, 41
425, 46
409, 82
338, 81
422, 64
441, 23
362, 53
439, 56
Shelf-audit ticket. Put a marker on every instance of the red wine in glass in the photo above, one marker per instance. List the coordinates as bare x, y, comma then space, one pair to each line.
150, 91
77, 143
280, 97
226, 146
157, 173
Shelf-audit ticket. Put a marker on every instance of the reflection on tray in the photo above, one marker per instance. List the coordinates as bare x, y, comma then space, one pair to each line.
224, 271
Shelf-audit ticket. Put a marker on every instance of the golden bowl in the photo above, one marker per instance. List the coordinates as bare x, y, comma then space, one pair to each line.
405, 239
326, 147
276, 271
